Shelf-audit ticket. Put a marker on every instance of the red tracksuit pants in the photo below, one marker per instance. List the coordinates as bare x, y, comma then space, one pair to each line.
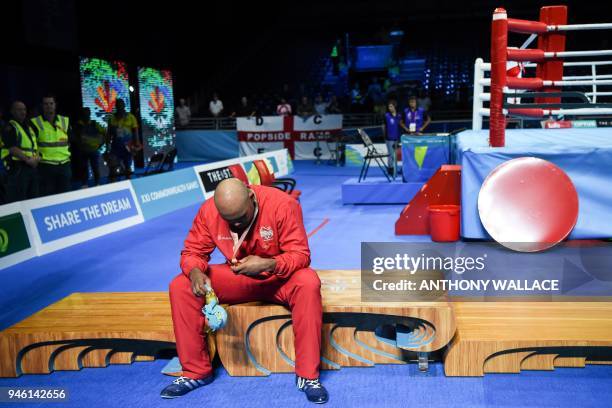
301, 293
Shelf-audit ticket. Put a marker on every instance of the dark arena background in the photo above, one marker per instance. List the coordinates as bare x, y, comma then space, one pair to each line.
369, 204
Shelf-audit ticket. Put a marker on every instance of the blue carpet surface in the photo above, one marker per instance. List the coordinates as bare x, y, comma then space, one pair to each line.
138, 385
145, 258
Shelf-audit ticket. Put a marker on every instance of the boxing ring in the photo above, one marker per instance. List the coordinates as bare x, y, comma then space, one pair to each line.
530, 83
508, 84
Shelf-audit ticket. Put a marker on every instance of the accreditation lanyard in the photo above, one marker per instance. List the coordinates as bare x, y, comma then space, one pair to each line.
238, 242
412, 116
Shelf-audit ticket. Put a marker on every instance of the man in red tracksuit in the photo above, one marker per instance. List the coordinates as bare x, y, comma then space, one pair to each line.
260, 232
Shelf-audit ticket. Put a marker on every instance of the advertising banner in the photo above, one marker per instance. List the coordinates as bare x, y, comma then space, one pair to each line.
16, 242
66, 219
167, 192
304, 137
263, 134
212, 177
422, 156
13, 234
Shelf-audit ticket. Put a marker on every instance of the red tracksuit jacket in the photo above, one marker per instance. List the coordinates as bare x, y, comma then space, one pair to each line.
278, 232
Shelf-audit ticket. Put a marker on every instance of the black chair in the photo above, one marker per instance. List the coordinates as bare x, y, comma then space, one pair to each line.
155, 164
116, 167
372, 154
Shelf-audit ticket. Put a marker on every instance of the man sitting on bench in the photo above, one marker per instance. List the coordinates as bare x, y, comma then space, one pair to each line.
261, 233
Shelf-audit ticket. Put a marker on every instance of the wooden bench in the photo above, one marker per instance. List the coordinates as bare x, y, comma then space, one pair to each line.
97, 329
258, 339
88, 330
507, 337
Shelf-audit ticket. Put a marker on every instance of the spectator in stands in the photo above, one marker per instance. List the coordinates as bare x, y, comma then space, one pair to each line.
53, 135
375, 95
320, 106
393, 130
245, 109
89, 137
283, 108
416, 119
215, 107
333, 107
20, 154
123, 132
305, 108
183, 113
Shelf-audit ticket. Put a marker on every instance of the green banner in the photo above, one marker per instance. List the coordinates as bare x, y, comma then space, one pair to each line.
13, 234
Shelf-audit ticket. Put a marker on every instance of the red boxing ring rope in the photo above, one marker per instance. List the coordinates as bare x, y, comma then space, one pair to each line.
535, 55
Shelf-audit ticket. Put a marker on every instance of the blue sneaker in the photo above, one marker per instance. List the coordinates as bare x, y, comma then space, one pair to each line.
314, 390
183, 385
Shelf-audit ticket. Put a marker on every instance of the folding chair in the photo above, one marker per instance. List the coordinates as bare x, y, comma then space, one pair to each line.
372, 154
116, 168
168, 162
336, 147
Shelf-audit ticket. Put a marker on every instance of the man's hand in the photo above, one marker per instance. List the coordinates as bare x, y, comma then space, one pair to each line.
30, 161
253, 265
198, 280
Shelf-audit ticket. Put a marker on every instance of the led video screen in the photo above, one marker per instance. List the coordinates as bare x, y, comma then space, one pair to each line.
156, 109
102, 84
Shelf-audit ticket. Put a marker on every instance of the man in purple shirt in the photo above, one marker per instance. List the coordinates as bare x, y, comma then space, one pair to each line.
415, 119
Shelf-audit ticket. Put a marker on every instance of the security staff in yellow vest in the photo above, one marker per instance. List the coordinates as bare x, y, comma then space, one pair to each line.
52, 132
20, 155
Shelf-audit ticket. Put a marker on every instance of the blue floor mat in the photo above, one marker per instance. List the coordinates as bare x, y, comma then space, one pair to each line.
138, 385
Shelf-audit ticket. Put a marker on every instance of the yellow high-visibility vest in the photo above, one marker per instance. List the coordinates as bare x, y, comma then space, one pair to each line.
25, 141
53, 139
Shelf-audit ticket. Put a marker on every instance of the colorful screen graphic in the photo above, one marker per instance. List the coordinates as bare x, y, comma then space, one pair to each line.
156, 109
102, 83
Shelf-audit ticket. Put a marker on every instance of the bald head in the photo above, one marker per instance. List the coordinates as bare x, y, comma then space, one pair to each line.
234, 202
18, 111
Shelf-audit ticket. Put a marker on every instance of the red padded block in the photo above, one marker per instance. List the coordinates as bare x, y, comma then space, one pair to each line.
444, 187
